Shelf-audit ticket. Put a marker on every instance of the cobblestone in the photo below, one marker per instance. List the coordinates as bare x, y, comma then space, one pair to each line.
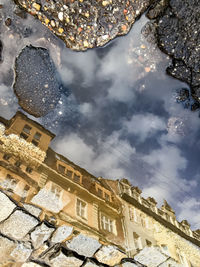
18, 225
6, 206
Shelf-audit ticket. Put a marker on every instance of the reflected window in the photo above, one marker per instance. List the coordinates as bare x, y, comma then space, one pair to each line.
35, 143
61, 168
29, 169
107, 197
100, 192
144, 222
6, 156
133, 215
107, 223
137, 241
81, 208
24, 136
37, 136
69, 173
25, 192
18, 163
9, 183
77, 178
27, 129
56, 190
126, 189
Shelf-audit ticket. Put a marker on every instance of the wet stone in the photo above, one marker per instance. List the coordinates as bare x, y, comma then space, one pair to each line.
62, 261
151, 256
6, 247
86, 24
84, 245
22, 252
62, 233
40, 235
110, 255
157, 9
6, 206
46, 199
91, 264
171, 263
178, 36
31, 264
18, 225
129, 264
37, 84
179, 70
38, 252
33, 210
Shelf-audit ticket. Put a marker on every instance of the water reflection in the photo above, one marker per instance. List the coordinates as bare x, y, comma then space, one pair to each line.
118, 116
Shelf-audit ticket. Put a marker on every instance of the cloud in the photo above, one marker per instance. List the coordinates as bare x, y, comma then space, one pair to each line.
165, 166
166, 181
86, 109
115, 95
103, 160
8, 102
144, 125
115, 66
190, 210
79, 63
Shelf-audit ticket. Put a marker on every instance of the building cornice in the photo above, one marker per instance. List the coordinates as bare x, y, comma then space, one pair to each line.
24, 117
61, 180
159, 219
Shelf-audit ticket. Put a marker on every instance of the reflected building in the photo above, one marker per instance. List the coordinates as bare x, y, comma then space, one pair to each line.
111, 211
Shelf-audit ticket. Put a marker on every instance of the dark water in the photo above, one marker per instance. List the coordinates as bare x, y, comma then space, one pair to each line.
118, 114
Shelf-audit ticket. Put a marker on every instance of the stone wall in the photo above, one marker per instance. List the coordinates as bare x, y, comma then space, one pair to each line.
27, 241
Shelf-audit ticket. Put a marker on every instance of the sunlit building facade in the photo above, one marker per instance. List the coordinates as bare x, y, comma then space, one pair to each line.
112, 211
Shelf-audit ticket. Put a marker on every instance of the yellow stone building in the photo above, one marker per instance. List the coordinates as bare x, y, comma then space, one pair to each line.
111, 211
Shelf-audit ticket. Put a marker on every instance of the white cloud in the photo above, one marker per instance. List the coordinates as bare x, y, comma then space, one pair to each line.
86, 109
165, 164
115, 66
144, 125
86, 63
190, 210
8, 102
104, 160
75, 149
166, 182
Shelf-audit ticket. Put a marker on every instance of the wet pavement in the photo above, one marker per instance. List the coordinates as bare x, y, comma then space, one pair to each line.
84, 24
118, 114
177, 33
37, 83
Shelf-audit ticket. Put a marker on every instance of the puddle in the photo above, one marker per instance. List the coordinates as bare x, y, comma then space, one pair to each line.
118, 114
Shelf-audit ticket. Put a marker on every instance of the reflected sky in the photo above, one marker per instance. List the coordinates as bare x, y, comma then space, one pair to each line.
118, 115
